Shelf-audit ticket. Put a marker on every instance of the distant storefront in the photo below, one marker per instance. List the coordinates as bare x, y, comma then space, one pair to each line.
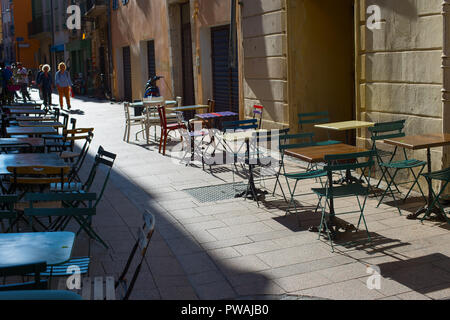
80, 61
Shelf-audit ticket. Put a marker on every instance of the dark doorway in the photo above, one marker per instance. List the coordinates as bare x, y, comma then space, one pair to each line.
128, 93
186, 47
151, 62
225, 79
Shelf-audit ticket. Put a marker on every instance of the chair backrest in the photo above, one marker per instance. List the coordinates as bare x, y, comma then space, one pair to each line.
303, 140
162, 116
56, 114
211, 105
387, 130
66, 210
21, 270
240, 125
126, 108
73, 135
83, 153
73, 123
349, 161
144, 237
258, 110
313, 118
38, 175
102, 158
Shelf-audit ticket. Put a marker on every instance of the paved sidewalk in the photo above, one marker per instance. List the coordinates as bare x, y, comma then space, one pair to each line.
232, 248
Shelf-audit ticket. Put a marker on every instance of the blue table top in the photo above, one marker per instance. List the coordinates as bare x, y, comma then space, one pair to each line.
27, 248
39, 295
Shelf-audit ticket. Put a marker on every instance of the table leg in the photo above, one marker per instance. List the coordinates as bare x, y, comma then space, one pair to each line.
430, 199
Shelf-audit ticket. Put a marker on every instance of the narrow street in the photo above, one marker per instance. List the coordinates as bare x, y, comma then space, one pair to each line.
233, 248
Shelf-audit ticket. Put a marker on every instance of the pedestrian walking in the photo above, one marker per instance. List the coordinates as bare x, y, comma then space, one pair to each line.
64, 84
46, 85
38, 81
22, 80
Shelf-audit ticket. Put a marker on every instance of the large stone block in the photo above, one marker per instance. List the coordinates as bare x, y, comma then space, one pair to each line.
274, 68
404, 34
265, 24
422, 100
419, 67
270, 90
257, 7
268, 46
402, 8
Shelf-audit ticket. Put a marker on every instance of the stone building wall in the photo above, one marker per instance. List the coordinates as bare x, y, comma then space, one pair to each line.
265, 60
399, 72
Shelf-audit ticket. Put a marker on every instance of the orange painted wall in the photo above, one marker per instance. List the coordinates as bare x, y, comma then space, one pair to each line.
22, 16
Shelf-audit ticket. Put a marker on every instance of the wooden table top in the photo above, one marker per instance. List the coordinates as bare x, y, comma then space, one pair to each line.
34, 142
345, 125
317, 153
30, 131
26, 111
29, 159
53, 124
423, 141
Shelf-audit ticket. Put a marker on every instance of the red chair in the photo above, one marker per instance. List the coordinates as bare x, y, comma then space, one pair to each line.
166, 128
258, 110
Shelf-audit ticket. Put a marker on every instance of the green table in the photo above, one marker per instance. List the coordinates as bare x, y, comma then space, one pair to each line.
54, 248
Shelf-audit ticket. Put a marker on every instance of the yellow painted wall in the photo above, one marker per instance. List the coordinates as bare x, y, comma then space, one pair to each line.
22, 16
321, 64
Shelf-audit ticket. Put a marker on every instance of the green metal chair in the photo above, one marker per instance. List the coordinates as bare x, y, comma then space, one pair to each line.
329, 192
316, 118
312, 172
22, 270
82, 215
444, 176
389, 130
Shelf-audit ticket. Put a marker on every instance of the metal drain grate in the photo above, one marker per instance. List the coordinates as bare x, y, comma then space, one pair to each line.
216, 193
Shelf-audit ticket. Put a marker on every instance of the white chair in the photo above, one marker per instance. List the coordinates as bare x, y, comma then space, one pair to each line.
132, 121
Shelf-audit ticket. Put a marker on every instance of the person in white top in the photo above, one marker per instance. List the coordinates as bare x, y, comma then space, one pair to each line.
22, 80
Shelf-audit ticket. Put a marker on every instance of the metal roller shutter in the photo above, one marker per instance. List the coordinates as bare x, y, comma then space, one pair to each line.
225, 80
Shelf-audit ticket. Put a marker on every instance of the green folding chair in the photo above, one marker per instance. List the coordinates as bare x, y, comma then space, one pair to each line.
389, 130
329, 192
316, 118
68, 208
312, 172
444, 176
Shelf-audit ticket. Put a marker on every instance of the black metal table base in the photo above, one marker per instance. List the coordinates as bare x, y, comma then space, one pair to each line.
439, 214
